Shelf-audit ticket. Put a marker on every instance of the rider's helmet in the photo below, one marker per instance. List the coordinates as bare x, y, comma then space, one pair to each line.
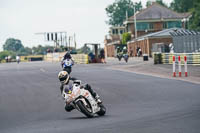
124, 50
67, 55
63, 76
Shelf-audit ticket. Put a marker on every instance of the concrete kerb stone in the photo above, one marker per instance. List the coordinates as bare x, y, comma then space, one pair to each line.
157, 75
139, 66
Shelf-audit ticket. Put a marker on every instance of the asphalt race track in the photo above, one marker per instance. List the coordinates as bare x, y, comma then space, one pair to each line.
30, 101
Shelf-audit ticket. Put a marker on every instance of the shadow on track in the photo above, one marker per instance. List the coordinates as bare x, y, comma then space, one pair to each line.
84, 117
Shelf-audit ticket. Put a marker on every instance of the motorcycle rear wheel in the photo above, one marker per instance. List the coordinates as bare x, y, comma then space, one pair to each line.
84, 109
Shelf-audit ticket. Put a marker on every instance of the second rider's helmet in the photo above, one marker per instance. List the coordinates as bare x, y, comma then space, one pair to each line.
67, 55
63, 76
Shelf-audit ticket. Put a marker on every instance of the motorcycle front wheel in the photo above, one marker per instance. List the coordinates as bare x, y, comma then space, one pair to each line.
102, 110
67, 69
85, 110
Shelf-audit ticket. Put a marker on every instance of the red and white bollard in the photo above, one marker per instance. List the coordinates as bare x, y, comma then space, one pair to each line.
174, 66
185, 61
179, 65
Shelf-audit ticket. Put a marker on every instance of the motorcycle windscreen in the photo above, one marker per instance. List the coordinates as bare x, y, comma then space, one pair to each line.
67, 63
68, 89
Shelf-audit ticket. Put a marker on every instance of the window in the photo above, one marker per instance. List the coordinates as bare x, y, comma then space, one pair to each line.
116, 31
150, 25
164, 25
141, 26
128, 28
113, 31
173, 24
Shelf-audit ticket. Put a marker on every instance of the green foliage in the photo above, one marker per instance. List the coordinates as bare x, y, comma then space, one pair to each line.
161, 3
12, 44
117, 11
195, 20
14, 47
126, 37
4, 54
182, 5
84, 49
157, 58
192, 6
40, 50
149, 2
24, 51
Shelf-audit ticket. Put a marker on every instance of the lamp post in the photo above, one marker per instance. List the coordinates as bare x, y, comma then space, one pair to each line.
135, 22
186, 23
184, 20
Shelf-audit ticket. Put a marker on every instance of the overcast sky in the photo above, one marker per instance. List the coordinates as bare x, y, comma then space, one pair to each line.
21, 19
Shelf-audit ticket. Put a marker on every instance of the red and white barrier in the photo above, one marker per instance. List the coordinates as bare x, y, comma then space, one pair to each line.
185, 64
174, 66
179, 66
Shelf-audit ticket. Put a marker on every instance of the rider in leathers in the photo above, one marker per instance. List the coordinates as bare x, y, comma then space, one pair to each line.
67, 57
65, 83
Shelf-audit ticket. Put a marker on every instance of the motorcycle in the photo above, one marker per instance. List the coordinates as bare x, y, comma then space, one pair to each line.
82, 100
125, 56
119, 56
67, 65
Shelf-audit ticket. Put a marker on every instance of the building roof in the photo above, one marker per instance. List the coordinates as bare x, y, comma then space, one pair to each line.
163, 33
117, 27
158, 12
114, 43
184, 32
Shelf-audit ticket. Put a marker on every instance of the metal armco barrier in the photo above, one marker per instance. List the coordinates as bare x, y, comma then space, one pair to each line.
81, 58
192, 58
78, 58
32, 58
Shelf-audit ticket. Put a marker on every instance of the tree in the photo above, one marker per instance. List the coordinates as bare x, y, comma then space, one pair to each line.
24, 51
5, 53
149, 2
40, 50
161, 3
119, 9
182, 5
191, 6
12, 44
195, 20
85, 49
126, 37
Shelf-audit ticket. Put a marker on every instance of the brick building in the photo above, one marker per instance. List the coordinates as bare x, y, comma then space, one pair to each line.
155, 18
151, 20
113, 40
146, 42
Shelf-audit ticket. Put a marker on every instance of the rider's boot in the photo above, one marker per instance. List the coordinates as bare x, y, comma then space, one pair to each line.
97, 98
93, 93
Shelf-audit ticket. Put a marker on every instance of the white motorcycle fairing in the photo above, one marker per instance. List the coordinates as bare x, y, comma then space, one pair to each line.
77, 94
67, 63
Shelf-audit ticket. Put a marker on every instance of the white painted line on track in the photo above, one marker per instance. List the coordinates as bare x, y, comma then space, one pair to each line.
42, 70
